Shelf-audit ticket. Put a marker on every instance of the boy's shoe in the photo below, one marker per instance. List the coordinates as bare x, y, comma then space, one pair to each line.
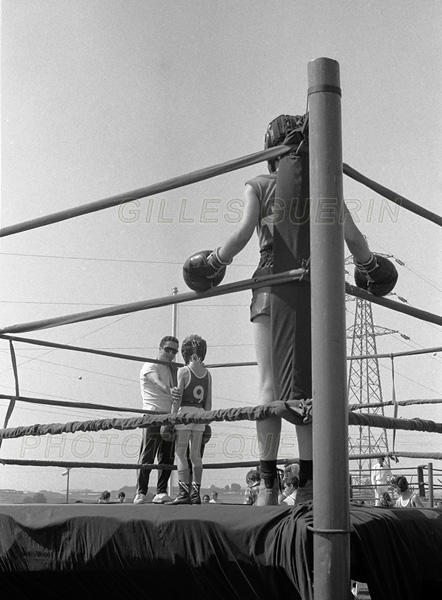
195, 497
140, 498
184, 495
304, 493
268, 496
161, 498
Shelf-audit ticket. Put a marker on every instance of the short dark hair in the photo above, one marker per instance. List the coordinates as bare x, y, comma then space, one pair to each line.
168, 338
402, 484
253, 475
292, 480
385, 499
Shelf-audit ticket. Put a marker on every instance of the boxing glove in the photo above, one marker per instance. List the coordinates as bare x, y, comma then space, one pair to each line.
204, 270
378, 275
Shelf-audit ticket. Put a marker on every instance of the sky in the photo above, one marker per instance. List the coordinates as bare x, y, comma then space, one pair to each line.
101, 97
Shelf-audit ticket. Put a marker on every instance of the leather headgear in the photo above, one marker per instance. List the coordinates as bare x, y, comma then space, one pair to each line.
277, 131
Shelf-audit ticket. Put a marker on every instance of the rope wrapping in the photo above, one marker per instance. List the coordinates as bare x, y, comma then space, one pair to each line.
392, 403
366, 420
227, 414
284, 410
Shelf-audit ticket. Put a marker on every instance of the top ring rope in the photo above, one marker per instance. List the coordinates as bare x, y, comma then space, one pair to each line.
392, 196
201, 175
287, 410
150, 190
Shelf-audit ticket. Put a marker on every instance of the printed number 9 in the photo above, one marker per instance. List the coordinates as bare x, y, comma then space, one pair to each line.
198, 393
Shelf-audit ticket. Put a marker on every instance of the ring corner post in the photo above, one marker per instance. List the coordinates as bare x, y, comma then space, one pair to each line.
331, 540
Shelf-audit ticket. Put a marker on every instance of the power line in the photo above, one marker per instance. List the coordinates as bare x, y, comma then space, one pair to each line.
116, 260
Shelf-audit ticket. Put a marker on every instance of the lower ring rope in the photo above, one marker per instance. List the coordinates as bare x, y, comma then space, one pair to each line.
255, 413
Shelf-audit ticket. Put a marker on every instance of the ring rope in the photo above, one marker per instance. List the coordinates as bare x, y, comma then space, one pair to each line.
201, 175
423, 315
69, 464
225, 414
74, 404
150, 190
46, 344
13, 399
254, 413
391, 403
237, 286
121, 309
143, 411
394, 400
143, 359
392, 196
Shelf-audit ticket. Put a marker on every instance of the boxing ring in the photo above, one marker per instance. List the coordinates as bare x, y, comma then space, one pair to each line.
232, 550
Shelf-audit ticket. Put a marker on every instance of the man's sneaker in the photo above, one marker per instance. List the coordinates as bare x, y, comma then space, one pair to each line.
161, 498
140, 498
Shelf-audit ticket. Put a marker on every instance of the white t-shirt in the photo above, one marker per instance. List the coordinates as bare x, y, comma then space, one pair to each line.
380, 474
153, 398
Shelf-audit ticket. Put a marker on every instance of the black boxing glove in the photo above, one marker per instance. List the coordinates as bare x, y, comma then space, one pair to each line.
378, 275
204, 270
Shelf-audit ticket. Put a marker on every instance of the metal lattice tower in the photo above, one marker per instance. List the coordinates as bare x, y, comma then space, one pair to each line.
364, 385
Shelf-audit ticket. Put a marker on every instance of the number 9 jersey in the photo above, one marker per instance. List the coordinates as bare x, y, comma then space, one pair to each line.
194, 396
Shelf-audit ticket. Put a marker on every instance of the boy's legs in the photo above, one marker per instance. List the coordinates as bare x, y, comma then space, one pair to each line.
181, 446
268, 430
290, 303
195, 456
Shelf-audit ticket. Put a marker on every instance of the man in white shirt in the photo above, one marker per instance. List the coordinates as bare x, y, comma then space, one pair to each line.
157, 381
380, 479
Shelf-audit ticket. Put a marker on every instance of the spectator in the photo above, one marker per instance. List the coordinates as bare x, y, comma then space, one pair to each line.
206, 498
104, 498
385, 500
380, 477
214, 498
121, 496
253, 479
157, 381
290, 490
407, 498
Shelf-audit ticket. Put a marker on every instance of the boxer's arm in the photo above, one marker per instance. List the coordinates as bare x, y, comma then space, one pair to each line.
239, 238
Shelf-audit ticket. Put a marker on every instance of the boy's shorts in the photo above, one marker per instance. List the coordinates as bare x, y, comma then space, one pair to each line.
260, 304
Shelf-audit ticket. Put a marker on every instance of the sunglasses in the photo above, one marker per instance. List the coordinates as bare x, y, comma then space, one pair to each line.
169, 350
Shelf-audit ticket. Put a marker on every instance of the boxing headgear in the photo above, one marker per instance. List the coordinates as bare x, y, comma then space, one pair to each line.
277, 131
193, 345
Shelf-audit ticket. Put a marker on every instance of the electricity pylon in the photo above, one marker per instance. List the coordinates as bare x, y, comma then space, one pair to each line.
364, 386
364, 382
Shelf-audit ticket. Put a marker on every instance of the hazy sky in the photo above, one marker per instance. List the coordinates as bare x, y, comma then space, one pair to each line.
100, 97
